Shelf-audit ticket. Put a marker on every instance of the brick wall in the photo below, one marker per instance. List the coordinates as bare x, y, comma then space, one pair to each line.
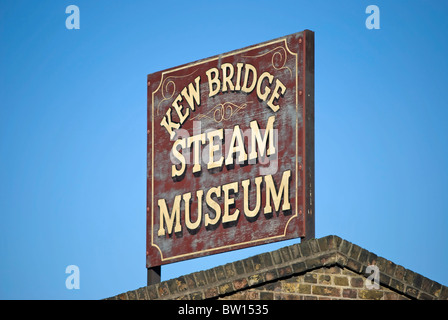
332, 283
325, 268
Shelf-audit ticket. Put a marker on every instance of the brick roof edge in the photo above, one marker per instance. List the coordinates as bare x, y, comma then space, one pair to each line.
286, 262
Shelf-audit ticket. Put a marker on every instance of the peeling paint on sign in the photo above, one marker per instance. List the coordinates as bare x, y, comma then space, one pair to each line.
230, 153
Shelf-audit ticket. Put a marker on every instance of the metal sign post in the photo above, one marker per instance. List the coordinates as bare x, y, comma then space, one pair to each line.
154, 275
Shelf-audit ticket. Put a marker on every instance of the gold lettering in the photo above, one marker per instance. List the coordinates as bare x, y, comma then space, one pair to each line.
213, 81
178, 108
212, 148
239, 66
169, 219
246, 183
168, 124
192, 93
276, 199
236, 137
213, 205
283, 192
275, 95
259, 143
263, 96
179, 156
249, 68
227, 78
196, 141
227, 217
190, 225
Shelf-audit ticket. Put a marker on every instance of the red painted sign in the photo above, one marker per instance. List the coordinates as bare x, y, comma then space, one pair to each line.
230, 158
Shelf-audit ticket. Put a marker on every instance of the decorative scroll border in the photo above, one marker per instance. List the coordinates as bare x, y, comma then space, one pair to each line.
283, 57
222, 111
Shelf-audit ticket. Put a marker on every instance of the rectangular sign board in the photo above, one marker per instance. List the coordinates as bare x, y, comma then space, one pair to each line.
230, 152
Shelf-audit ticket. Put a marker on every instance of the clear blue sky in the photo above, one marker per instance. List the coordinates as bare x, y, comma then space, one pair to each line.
73, 131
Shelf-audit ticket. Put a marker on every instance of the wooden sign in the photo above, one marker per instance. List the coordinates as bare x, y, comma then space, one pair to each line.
230, 158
